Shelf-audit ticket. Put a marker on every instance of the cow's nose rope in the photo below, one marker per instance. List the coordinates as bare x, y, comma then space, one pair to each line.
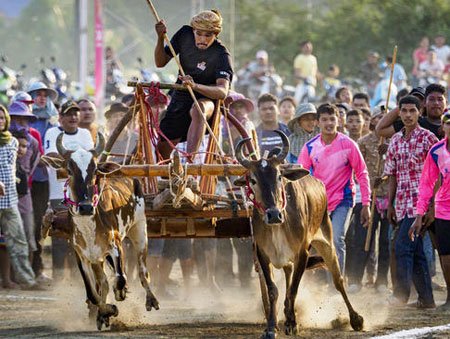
69, 202
252, 197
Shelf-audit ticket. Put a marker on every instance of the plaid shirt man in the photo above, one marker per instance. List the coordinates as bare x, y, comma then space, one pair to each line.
405, 159
8, 155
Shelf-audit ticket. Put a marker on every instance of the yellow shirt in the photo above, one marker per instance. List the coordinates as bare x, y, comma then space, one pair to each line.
305, 66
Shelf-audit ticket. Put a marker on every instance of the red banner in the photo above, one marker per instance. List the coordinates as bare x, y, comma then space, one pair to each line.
99, 60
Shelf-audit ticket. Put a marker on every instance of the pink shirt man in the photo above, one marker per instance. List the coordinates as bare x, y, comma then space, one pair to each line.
436, 164
334, 165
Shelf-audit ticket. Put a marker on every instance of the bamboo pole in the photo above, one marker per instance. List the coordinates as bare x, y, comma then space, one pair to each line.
378, 168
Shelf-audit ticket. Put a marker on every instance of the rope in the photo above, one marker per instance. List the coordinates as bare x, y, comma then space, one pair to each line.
181, 182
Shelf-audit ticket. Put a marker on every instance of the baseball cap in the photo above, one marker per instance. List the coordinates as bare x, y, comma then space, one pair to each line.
68, 106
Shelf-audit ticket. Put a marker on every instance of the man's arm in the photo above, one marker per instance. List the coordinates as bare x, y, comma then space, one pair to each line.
161, 57
219, 91
392, 190
385, 126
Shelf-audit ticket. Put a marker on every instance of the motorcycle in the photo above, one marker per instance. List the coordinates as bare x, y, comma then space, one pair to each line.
147, 75
61, 84
305, 91
8, 82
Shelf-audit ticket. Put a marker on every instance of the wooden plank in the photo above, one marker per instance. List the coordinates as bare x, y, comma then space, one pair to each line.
198, 228
190, 213
192, 169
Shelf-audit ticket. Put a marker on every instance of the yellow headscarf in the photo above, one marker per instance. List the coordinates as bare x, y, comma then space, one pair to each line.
210, 21
5, 135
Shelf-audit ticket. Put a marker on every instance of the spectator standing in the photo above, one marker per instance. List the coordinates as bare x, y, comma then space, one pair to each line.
10, 221
404, 164
305, 71
303, 127
73, 138
287, 109
370, 71
437, 164
344, 96
441, 48
27, 162
46, 114
419, 55
334, 158
268, 114
88, 115
357, 257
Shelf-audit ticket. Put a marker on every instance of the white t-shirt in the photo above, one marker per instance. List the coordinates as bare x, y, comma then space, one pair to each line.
442, 53
82, 138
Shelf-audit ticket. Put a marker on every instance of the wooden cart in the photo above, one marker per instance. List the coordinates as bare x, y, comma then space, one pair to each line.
181, 199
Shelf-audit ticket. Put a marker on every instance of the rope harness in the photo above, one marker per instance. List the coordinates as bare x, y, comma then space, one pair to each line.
252, 197
69, 202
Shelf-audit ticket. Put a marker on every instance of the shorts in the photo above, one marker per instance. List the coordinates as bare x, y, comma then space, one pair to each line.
177, 249
155, 247
442, 232
177, 120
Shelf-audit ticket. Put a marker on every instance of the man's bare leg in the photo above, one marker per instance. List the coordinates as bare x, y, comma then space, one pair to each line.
197, 128
164, 148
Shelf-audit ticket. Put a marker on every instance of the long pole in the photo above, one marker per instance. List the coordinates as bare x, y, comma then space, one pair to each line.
378, 168
191, 91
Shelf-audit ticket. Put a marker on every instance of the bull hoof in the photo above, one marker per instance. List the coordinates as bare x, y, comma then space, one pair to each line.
269, 334
120, 295
357, 322
151, 302
104, 313
290, 328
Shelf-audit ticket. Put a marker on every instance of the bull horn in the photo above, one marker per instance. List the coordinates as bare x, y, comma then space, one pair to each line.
100, 144
285, 149
239, 153
59, 145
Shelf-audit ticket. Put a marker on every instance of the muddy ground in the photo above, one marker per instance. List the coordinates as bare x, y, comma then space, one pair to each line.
235, 313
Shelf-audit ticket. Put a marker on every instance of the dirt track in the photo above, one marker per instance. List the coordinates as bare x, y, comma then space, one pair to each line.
61, 312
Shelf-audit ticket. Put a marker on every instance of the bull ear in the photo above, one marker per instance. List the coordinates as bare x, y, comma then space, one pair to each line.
107, 167
242, 181
293, 174
54, 162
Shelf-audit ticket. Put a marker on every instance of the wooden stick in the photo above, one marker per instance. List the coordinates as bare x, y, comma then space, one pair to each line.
378, 168
189, 88
177, 87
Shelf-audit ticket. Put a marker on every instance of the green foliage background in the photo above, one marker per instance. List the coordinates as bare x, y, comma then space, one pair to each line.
342, 31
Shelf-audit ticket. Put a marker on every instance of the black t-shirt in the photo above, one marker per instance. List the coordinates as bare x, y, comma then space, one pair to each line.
205, 66
424, 123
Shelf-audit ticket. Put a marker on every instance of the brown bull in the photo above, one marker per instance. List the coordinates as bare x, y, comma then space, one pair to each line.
103, 211
290, 217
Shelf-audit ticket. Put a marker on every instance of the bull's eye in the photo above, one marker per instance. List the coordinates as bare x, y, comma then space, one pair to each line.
252, 181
